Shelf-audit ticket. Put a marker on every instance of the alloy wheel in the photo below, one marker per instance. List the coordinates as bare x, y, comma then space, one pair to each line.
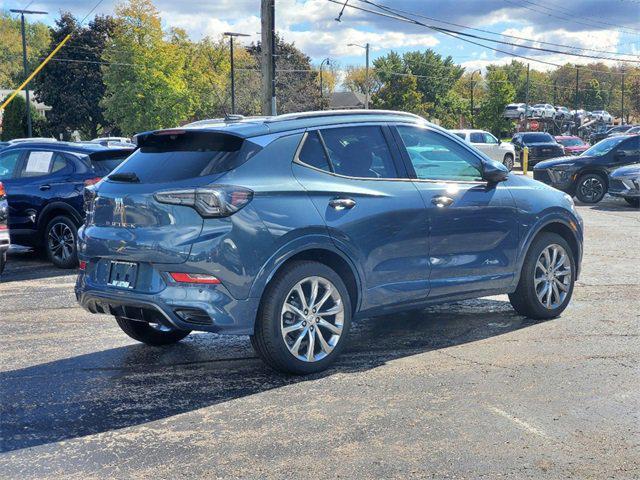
61, 241
312, 319
552, 277
592, 189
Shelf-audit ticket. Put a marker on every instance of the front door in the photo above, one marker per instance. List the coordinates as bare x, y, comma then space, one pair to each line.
473, 225
357, 182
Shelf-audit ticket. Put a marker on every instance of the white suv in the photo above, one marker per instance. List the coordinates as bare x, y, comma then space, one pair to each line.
489, 145
602, 115
542, 110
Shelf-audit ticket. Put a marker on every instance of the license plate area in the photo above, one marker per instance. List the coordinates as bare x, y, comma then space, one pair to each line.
123, 274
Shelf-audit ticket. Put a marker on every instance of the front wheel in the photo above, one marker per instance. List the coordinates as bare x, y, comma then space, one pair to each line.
151, 334
60, 242
303, 319
547, 278
508, 161
633, 201
591, 188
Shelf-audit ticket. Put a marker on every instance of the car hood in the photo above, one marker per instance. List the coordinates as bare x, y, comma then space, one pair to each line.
629, 170
541, 144
555, 162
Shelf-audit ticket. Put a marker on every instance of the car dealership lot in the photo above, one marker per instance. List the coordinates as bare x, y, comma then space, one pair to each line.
462, 390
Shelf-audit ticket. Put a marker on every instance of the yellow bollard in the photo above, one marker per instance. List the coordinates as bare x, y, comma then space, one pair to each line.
525, 160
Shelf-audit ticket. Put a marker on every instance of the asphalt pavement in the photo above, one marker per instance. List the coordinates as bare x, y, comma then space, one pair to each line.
463, 390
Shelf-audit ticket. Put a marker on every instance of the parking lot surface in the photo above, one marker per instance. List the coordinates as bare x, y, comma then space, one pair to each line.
463, 390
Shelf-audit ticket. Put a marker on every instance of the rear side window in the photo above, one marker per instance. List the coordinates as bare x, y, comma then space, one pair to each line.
477, 137
39, 163
360, 152
461, 135
165, 158
312, 152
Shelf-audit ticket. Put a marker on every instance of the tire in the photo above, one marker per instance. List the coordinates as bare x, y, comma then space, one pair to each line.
508, 161
277, 310
60, 237
633, 201
529, 299
591, 188
146, 333
3, 261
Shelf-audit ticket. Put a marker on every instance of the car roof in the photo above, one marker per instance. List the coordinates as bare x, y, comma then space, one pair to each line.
84, 148
467, 130
247, 127
566, 137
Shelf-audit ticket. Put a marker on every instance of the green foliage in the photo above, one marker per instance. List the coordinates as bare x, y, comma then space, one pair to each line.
450, 108
37, 34
499, 93
400, 92
146, 85
14, 121
593, 96
73, 89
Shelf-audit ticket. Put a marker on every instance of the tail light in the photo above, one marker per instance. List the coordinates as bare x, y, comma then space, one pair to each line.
82, 265
89, 195
210, 202
194, 278
2, 190
92, 181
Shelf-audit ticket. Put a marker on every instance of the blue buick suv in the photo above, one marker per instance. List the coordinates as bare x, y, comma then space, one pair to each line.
285, 228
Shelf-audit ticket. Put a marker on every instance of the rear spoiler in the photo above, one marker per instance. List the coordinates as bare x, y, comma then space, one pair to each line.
188, 140
110, 153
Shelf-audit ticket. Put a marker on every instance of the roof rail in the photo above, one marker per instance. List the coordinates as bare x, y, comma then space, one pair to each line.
338, 113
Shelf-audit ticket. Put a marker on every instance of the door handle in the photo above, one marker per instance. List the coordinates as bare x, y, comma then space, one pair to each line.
341, 203
45, 187
441, 201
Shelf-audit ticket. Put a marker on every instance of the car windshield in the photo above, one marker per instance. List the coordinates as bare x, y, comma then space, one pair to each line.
604, 146
537, 138
571, 142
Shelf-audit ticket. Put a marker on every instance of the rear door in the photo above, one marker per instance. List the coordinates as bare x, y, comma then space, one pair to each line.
358, 184
473, 228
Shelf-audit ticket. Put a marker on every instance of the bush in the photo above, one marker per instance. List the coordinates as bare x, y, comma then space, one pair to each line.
14, 121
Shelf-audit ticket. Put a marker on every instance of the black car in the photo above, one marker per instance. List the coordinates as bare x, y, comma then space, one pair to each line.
625, 183
587, 176
44, 183
4, 228
541, 146
596, 136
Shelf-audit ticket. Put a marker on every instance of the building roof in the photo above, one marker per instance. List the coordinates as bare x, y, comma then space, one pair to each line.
347, 100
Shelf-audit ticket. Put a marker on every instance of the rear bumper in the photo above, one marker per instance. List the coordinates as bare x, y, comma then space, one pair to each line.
208, 308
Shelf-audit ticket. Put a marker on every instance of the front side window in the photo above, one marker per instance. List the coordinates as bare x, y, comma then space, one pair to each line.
436, 157
8, 163
360, 152
488, 138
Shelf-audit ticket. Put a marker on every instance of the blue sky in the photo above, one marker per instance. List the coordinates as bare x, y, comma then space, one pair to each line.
607, 25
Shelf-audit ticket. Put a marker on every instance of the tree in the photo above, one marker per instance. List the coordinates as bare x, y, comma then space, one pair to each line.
297, 83
73, 88
400, 92
500, 92
145, 80
14, 120
37, 34
450, 109
592, 96
356, 80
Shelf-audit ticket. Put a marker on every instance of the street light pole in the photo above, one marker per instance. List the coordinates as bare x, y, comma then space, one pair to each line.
367, 92
233, 76
24, 61
328, 62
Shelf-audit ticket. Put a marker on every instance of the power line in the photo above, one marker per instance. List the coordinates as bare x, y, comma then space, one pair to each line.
510, 36
478, 37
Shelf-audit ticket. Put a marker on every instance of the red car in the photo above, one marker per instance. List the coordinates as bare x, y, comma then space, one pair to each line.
572, 145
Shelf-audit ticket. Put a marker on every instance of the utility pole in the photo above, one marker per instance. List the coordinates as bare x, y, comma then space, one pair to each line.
554, 92
526, 99
268, 57
233, 76
575, 101
622, 98
366, 47
24, 61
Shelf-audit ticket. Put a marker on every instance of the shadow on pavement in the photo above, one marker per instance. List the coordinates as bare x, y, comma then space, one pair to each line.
131, 385
24, 264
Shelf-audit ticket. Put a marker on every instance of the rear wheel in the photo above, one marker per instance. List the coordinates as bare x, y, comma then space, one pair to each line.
547, 278
633, 201
591, 188
508, 161
60, 242
149, 333
3, 261
303, 319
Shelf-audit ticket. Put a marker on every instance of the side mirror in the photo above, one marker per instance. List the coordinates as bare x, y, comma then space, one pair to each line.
494, 172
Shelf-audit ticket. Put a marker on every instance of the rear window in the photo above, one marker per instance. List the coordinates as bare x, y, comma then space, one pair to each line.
167, 157
104, 162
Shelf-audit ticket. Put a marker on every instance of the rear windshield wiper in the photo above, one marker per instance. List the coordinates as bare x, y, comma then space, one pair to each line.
124, 177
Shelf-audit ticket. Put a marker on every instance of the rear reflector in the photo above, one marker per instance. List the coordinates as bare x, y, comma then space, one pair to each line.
194, 278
